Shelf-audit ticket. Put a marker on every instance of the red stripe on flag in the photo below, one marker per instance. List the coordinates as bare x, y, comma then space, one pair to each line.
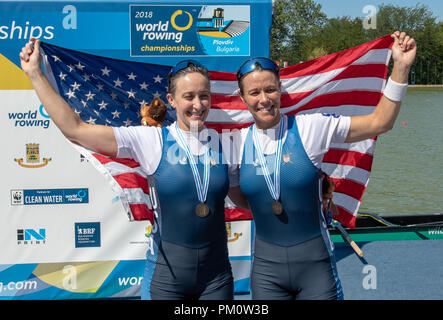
350, 158
219, 101
219, 127
222, 76
346, 218
132, 180
236, 214
125, 161
140, 211
102, 159
291, 99
357, 97
349, 187
335, 60
362, 70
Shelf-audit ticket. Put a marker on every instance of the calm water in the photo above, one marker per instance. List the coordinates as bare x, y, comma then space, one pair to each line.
407, 172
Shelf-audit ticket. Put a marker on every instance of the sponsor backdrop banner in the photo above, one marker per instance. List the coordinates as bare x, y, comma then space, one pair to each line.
63, 230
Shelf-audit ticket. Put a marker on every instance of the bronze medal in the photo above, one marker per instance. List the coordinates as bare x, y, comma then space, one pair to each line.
277, 207
202, 210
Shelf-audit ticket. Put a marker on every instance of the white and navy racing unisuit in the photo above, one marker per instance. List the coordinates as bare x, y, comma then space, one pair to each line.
190, 260
293, 254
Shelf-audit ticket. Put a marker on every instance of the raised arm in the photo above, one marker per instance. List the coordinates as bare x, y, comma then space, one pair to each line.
94, 137
385, 113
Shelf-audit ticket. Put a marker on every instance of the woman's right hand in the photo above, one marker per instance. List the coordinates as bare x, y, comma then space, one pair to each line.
30, 57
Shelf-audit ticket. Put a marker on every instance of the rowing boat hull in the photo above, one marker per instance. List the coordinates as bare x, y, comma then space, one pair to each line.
400, 262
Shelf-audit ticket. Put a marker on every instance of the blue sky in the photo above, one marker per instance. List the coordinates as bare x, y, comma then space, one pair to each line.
354, 8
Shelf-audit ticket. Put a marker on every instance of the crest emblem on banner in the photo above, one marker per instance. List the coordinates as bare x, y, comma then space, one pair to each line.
32, 157
236, 235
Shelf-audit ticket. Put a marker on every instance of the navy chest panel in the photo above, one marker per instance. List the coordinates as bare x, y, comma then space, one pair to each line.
178, 197
299, 187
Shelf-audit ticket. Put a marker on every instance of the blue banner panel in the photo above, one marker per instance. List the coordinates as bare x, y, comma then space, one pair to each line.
156, 32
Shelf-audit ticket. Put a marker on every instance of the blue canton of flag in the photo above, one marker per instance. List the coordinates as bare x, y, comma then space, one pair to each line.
103, 90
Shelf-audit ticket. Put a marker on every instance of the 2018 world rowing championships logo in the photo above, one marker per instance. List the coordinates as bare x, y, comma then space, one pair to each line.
189, 30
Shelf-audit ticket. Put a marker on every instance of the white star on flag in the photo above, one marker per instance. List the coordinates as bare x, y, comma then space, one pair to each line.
118, 83
115, 114
131, 94
105, 71
131, 76
75, 86
158, 79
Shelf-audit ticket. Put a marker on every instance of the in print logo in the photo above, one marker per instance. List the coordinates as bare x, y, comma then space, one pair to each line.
31, 236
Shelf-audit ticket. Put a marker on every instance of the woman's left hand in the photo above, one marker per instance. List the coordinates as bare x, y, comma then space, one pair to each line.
404, 49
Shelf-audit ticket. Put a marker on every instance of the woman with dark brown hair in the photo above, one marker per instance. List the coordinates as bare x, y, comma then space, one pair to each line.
190, 260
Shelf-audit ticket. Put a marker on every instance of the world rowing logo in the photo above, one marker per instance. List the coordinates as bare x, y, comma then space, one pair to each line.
31, 118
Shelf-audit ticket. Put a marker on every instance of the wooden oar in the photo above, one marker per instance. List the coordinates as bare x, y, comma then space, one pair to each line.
348, 238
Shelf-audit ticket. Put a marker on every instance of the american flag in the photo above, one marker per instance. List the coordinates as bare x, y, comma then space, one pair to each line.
110, 92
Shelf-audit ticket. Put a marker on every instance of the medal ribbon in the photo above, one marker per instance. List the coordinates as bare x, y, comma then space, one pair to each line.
202, 190
274, 188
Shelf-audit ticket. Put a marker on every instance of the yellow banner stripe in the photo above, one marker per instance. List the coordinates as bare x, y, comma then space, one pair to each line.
12, 77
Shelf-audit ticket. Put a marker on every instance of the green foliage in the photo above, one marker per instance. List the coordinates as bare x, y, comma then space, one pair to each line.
294, 23
301, 31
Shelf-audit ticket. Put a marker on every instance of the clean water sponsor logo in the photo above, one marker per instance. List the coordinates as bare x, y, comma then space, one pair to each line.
49, 196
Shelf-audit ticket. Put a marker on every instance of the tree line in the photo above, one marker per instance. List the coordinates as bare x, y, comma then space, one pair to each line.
301, 31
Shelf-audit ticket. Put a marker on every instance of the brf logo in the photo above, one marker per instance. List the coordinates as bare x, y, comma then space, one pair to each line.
87, 234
